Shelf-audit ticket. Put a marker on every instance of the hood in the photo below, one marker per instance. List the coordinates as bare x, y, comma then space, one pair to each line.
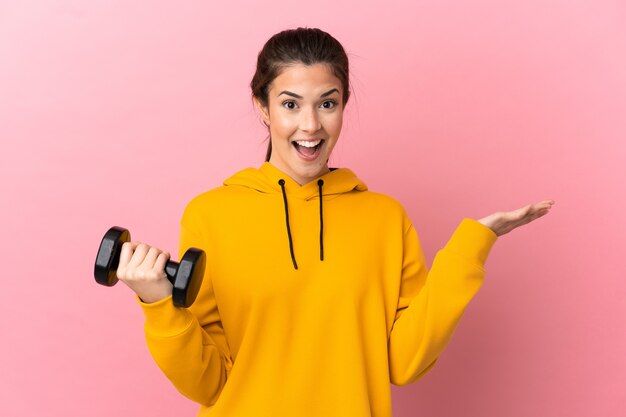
269, 179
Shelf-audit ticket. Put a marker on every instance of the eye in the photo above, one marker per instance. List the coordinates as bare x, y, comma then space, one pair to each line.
286, 104
332, 103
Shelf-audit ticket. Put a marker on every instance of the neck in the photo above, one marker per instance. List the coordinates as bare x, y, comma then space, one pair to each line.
301, 180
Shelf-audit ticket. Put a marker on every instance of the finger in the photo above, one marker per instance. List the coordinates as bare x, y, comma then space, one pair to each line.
141, 249
530, 216
544, 212
541, 206
536, 208
545, 204
150, 258
538, 214
161, 261
125, 255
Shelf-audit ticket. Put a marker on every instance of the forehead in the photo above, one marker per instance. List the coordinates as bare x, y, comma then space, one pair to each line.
306, 78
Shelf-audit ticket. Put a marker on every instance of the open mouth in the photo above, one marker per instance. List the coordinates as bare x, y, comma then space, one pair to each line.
308, 152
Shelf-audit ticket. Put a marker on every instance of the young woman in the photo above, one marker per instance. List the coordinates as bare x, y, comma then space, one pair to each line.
316, 294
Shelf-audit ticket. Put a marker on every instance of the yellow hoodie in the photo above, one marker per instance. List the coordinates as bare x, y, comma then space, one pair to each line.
310, 306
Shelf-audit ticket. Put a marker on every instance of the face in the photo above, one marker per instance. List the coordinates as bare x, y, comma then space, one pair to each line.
305, 115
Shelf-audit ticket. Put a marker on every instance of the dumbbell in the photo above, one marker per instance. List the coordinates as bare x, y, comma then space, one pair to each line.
185, 276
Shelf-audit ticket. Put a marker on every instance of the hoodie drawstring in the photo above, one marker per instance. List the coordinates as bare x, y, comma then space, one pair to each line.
293, 258
320, 182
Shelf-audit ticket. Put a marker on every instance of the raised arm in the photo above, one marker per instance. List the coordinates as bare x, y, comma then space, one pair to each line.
432, 303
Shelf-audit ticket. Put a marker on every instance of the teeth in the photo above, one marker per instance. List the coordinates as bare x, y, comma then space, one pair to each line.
308, 144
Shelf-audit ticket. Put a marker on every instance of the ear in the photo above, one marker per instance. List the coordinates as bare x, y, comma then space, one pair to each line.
264, 111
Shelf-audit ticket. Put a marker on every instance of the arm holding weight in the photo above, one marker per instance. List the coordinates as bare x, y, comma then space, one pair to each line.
189, 344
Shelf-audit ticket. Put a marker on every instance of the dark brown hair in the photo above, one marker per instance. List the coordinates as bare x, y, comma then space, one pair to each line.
302, 45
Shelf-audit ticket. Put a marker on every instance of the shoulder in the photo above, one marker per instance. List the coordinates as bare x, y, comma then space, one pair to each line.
205, 201
382, 201
385, 207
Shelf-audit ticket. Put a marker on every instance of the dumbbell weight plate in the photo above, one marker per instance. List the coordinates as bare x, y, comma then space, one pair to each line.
189, 277
108, 258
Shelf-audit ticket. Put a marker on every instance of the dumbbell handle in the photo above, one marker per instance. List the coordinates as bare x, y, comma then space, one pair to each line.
171, 268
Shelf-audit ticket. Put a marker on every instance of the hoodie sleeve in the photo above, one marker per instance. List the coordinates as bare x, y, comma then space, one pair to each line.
431, 303
189, 344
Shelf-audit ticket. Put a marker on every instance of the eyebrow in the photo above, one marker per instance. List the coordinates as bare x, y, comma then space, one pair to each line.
289, 93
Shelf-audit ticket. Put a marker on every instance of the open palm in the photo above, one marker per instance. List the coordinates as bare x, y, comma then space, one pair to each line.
502, 222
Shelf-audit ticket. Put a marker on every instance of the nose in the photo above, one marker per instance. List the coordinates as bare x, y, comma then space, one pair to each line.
309, 121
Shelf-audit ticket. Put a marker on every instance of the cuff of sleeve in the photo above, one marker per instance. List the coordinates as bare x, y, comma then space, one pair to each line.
472, 240
164, 319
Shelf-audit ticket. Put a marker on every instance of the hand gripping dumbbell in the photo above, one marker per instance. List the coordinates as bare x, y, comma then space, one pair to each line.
185, 276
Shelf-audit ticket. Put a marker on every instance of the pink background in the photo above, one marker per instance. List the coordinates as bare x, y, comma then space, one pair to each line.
118, 113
